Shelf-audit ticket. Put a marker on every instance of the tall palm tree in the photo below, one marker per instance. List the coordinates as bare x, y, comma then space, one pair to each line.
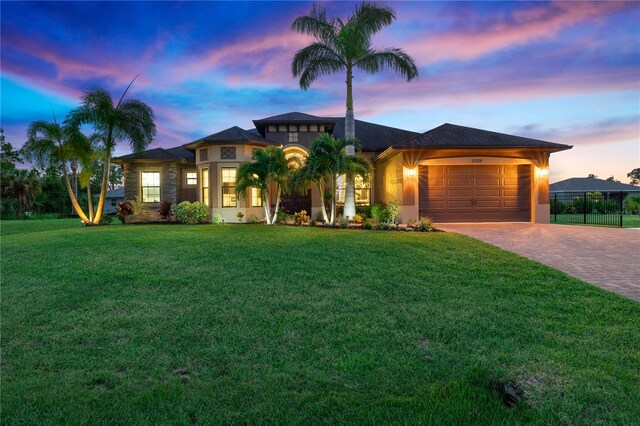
131, 120
51, 144
344, 47
21, 186
270, 171
328, 159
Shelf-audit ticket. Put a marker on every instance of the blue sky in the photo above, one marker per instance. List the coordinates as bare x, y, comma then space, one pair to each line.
567, 72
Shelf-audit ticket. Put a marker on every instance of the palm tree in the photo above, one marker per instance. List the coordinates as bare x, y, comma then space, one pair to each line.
328, 159
50, 144
343, 47
21, 186
130, 120
270, 171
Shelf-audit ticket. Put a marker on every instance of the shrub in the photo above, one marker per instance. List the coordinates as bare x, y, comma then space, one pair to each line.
632, 205
425, 224
281, 217
301, 218
240, 216
357, 218
217, 219
392, 211
253, 219
165, 210
379, 212
124, 210
367, 224
140, 210
191, 213
411, 222
342, 221
106, 219
382, 226
364, 211
319, 217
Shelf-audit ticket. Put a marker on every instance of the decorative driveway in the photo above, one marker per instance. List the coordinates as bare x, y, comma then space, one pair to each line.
606, 257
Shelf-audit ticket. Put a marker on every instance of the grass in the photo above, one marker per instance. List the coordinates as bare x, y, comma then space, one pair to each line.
628, 220
255, 324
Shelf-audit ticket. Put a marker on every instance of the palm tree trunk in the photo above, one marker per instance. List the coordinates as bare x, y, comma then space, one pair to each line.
275, 212
90, 201
267, 206
74, 200
349, 133
105, 179
324, 206
333, 201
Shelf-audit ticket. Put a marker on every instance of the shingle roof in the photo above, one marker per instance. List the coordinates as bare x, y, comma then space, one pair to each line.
454, 136
232, 134
178, 153
374, 137
116, 193
591, 185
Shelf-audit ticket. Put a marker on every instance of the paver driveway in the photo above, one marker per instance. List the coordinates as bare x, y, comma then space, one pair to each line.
606, 257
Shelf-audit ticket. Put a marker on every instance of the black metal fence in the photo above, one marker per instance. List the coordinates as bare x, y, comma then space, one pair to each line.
588, 208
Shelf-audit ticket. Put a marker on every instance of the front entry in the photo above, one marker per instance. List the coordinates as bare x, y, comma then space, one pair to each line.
296, 201
487, 193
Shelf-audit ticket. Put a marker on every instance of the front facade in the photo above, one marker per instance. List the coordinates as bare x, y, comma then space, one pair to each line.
450, 173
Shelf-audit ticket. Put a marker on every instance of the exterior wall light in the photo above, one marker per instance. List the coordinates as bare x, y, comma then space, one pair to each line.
543, 172
411, 172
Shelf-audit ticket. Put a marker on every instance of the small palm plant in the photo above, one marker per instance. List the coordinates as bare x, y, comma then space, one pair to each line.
21, 186
328, 160
269, 172
345, 47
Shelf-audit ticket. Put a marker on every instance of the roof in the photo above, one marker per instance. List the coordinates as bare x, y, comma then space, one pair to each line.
454, 136
232, 134
294, 118
374, 137
177, 153
588, 184
116, 193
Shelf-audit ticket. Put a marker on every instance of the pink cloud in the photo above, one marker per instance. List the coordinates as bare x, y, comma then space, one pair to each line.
523, 26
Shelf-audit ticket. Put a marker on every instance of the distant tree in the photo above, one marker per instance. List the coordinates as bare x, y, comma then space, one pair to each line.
21, 187
116, 176
592, 176
634, 175
131, 120
612, 179
8, 155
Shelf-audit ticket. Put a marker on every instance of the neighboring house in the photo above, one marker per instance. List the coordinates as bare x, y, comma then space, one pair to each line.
450, 173
588, 184
114, 196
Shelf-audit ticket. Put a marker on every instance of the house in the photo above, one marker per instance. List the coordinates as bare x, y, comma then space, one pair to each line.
450, 173
590, 184
112, 199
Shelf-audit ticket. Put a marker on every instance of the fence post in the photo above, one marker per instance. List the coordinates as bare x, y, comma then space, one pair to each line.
584, 207
555, 205
620, 208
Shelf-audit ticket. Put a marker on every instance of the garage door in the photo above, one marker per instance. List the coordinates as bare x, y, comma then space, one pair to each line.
475, 193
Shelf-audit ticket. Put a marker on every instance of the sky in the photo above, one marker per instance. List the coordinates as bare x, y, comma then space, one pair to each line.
566, 72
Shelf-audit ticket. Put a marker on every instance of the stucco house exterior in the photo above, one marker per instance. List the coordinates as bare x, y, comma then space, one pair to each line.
450, 173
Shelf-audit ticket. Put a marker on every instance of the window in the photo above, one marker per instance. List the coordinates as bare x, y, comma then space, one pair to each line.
293, 137
282, 128
273, 129
192, 178
256, 197
205, 186
313, 128
228, 153
362, 190
304, 128
229, 187
113, 202
204, 154
150, 187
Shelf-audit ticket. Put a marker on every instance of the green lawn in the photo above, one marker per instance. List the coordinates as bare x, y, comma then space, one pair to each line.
628, 220
255, 324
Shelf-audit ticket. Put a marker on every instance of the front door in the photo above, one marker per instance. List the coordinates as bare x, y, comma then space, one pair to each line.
296, 201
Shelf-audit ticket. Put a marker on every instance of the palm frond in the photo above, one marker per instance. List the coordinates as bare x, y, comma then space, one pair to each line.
369, 18
392, 58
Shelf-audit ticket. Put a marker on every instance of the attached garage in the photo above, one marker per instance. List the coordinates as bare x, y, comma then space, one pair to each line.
475, 193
